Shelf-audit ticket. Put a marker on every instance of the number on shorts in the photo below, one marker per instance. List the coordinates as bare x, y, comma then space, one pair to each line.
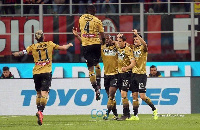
141, 86
125, 83
115, 82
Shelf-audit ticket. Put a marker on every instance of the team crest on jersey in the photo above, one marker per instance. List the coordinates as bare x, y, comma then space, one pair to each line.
137, 53
108, 52
121, 55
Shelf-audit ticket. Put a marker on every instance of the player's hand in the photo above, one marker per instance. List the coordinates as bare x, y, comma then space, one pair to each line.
124, 69
70, 44
74, 31
16, 53
119, 35
134, 31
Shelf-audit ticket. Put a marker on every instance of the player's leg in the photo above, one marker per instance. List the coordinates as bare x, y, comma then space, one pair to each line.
142, 91
134, 88
89, 56
107, 86
38, 85
112, 91
97, 55
126, 111
98, 75
45, 84
149, 102
94, 82
124, 85
135, 106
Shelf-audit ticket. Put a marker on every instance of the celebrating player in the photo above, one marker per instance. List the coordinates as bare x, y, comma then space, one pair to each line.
139, 77
125, 65
109, 57
42, 71
110, 61
91, 27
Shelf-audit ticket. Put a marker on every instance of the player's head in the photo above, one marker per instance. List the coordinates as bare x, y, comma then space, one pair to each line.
121, 41
109, 39
6, 72
119, 35
122, 38
39, 36
136, 40
153, 70
91, 9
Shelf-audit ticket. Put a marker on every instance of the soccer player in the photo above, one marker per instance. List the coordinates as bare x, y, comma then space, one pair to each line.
6, 74
110, 61
110, 58
125, 65
139, 77
154, 72
42, 71
91, 27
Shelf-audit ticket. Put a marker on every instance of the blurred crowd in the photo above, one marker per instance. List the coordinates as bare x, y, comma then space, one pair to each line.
103, 6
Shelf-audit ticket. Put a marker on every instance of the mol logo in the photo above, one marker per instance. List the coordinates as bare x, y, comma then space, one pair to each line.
85, 97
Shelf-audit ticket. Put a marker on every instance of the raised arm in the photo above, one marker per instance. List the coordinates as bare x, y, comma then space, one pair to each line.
65, 47
74, 31
20, 53
103, 37
141, 39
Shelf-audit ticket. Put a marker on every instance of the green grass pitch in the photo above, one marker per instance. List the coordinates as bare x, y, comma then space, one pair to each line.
80, 122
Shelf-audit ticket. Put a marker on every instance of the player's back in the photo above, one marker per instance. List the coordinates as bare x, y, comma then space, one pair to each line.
90, 26
42, 54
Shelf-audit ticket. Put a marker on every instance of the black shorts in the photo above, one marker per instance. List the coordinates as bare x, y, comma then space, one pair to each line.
138, 82
42, 81
124, 81
92, 54
110, 81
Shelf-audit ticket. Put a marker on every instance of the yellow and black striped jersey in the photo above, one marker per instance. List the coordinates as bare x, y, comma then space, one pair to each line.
42, 54
140, 56
125, 54
110, 59
90, 27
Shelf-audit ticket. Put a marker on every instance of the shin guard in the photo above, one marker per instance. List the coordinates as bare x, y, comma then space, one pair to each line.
126, 111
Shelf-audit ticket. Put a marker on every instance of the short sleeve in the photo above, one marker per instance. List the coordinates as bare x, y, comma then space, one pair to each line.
100, 24
29, 49
55, 46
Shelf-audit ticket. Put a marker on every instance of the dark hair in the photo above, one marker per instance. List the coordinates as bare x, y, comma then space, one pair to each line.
136, 36
123, 38
153, 66
5, 68
91, 9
